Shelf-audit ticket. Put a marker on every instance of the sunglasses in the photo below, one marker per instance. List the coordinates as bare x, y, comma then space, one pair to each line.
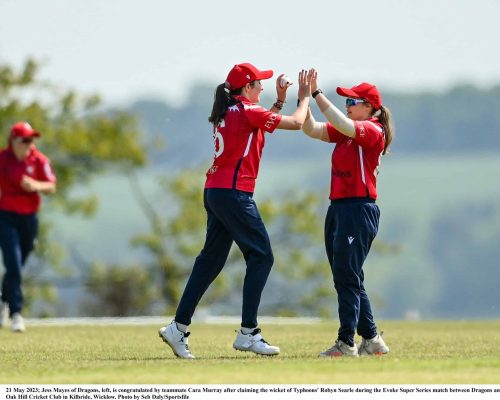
26, 140
352, 102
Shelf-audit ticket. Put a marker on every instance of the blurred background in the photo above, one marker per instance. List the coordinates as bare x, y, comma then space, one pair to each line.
122, 90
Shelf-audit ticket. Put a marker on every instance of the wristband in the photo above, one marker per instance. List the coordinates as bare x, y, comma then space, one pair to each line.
279, 104
316, 92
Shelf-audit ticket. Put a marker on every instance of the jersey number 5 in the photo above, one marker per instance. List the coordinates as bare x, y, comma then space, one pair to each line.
218, 140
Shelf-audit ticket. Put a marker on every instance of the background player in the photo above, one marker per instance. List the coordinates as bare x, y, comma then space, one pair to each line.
24, 173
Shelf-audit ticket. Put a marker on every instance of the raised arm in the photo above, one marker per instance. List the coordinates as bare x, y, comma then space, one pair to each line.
295, 121
316, 130
336, 117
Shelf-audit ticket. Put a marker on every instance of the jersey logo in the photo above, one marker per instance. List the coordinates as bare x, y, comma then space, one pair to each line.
30, 169
361, 130
270, 122
342, 174
251, 106
233, 108
350, 239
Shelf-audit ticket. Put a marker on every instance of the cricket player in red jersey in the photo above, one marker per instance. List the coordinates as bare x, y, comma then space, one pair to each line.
239, 128
361, 138
24, 173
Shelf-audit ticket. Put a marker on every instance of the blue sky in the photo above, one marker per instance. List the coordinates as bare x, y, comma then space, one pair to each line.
123, 49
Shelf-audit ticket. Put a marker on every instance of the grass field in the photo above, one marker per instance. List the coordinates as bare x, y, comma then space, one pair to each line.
438, 352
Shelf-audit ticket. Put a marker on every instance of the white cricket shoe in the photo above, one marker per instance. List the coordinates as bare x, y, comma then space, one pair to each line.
373, 347
17, 323
254, 342
4, 313
340, 349
176, 339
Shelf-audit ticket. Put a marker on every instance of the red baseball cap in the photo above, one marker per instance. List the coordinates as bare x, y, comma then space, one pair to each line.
241, 74
365, 91
23, 129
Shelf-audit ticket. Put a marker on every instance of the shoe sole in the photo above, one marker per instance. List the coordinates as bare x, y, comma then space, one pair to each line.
377, 353
260, 354
337, 355
18, 330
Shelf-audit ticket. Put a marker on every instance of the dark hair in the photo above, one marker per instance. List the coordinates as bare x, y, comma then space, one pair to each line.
223, 99
385, 119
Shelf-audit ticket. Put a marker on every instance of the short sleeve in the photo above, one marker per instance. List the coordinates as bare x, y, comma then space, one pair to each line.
261, 118
45, 172
368, 133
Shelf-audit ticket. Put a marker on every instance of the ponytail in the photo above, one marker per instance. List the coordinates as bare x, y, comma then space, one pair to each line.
223, 99
385, 119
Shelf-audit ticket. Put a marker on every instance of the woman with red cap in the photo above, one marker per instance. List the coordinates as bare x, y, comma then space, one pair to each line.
24, 173
361, 138
239, 126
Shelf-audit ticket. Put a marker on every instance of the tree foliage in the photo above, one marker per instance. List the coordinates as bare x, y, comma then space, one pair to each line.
468, 261
177, 235
119, 290
81, 139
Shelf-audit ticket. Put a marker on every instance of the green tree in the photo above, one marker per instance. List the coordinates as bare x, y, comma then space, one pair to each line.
301, 283
82, 140
119, 290
177, 235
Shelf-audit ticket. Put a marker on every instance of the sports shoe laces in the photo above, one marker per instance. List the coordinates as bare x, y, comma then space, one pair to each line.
186, 335
256, 331
336, 346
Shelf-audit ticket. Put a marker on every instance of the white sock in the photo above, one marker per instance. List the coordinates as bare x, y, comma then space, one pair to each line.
182, 327
247, 331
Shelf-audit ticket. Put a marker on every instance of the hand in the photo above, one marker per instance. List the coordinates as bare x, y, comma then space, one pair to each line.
281, 91
29, 184
314, 80
304, 83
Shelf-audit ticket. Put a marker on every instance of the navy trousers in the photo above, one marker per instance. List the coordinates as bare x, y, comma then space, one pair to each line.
18, 233
232, 215
350, 227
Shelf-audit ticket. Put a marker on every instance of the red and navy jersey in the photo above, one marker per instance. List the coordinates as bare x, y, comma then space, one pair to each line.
12, 196
239, 140
355, 160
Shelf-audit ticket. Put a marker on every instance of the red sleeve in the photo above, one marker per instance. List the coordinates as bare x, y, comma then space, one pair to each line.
261, 118
44, 171
334, 135
368, 133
